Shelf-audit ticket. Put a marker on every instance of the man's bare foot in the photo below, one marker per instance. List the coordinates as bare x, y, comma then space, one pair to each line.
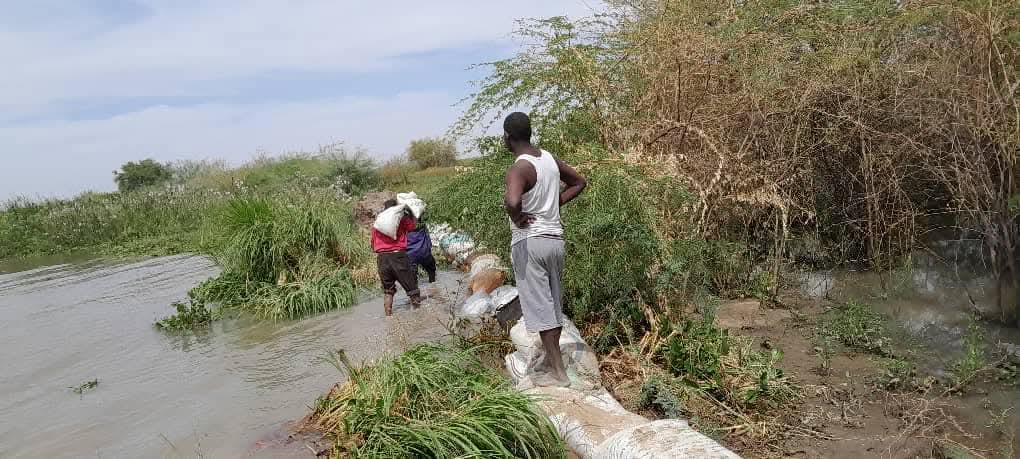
543, 379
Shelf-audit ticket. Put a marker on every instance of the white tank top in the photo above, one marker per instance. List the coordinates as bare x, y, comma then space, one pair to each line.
542, 201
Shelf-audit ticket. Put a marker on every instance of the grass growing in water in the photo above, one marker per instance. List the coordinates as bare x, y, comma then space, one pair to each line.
433, 401
282, 260
189, 315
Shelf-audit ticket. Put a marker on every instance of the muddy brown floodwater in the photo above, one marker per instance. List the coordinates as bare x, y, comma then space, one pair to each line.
224, 391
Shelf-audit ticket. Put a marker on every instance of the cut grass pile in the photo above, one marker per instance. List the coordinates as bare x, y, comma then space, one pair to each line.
432, 401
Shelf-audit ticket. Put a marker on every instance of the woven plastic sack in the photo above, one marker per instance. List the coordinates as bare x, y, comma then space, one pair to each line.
517, 366
581, 363
487, 281
438, 232
388, 221
525, 341
584, 419
477, 305
412, 202
483, 262
503, 295
665, 439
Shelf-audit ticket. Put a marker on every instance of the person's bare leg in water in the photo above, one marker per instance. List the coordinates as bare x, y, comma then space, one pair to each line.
388, 304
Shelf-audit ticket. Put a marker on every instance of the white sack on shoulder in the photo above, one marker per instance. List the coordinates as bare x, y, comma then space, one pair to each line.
388, 220
413, 202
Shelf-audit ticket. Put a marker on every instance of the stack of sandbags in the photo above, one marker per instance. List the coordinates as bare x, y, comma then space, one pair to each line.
456, 247
590, 421
483, 303
595, 426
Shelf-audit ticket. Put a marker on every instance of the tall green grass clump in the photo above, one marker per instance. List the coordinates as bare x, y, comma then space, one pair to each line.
285, 259
433, 401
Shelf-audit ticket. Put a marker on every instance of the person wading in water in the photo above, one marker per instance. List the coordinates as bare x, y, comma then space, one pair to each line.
393, 263
532, 201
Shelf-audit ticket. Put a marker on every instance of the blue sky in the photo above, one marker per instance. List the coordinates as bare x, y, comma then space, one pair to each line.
90, 84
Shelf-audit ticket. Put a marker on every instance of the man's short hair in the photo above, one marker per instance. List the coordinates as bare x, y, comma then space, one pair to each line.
389, 203
517, 126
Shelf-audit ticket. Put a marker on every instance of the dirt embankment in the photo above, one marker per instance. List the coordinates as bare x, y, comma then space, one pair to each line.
370, 205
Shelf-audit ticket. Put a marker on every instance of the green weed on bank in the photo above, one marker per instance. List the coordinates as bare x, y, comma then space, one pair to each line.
432, 401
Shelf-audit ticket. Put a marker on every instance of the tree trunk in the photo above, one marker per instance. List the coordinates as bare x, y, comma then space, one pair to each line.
1008, 300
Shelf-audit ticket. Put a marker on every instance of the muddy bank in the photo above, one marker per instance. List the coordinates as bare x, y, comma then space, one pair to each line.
852, 406
369, 206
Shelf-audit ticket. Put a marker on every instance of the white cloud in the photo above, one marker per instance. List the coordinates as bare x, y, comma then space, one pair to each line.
181, 45
66, 61
63, 158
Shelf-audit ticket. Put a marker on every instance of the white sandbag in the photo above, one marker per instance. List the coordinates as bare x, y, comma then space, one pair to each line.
524, 341
459, 252
388, 221
584, 419
438, 232
580, 361
412, 202
484, 262
517, 366
665, 439
476, 305
503, 295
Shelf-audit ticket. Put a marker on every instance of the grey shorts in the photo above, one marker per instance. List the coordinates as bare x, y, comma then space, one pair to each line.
538, 267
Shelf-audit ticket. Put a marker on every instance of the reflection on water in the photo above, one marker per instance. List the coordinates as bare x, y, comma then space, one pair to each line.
934, 298
209, 393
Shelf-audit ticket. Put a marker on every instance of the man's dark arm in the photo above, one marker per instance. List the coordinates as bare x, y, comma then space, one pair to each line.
512, 197
575, 183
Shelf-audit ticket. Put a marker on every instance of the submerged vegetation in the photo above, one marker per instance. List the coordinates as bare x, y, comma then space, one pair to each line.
84, 387
859, 327
189, 315
432, 401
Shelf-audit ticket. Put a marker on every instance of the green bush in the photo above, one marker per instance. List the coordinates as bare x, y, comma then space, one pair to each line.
432, 152
135, 175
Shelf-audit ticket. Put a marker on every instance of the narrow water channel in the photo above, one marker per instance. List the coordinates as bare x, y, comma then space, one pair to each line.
213, 393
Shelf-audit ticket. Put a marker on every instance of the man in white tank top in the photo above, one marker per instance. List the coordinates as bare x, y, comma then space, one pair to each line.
533, 199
